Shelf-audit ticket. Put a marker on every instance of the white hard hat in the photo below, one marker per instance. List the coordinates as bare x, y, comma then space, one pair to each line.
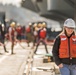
2, 25
69, 23
18, 24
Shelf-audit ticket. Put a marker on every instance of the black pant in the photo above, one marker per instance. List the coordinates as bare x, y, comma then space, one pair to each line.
44, 43
2, 40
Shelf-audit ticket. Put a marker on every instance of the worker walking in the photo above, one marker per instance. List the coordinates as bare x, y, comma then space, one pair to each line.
2, 36
12, 36
41, 36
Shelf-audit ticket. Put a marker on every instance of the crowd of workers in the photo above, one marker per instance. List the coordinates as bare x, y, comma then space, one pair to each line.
33, 32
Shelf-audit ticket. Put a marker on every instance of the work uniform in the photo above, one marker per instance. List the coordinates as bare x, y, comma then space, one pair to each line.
29, 35
64, 51
64, 48
41, 38
2, 36
19, 33
12, 36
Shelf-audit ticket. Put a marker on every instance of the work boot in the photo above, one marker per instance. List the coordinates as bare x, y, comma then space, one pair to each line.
5, 49
12, 52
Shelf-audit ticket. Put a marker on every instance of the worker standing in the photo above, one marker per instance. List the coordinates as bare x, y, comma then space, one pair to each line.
12, 36
2, 36
64, 49
41, 36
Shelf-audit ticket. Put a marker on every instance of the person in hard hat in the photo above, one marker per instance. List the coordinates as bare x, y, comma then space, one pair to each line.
19, 32
64, 49
41, 37
35, 34
12, 36
29, 34
2, 36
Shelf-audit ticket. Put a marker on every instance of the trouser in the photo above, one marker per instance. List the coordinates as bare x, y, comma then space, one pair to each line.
12, 46
19, 37
43, 41
2, 39
68, 70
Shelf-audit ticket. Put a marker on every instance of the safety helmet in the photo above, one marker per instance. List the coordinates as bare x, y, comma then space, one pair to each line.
44, 24
18, 24
2, 25
35, 25
30, 24
12, 24
69, 23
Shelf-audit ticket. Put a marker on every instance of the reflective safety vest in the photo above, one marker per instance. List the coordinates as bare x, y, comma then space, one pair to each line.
42, 33
13, 31
28, 29
67, 47
19, 30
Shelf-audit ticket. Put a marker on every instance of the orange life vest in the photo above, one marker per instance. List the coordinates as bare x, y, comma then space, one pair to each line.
13, 31
43, 33
19, 30
28, 29
67, 50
